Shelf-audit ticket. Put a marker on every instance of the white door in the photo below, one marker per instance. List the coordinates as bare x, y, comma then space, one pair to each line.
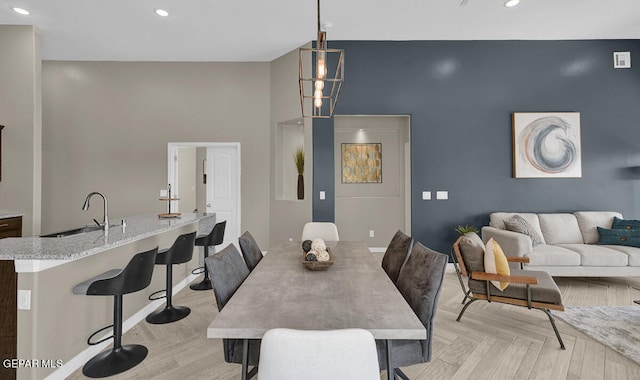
223, 188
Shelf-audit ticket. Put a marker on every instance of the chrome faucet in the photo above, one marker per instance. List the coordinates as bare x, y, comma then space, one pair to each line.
105, 218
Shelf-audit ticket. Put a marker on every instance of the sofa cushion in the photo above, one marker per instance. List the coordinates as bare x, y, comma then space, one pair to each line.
598, 256
545, 290
632, 252
588, 221
495, 262
519, 224
472, 250
496, 219
627, 224
619, 237
552, 255
560, 229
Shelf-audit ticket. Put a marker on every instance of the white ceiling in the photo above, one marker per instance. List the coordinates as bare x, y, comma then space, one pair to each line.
262, 30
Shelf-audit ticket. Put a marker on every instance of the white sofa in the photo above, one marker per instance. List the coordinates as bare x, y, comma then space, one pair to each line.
569, 244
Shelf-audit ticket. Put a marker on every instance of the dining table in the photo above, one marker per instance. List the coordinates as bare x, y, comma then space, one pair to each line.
354, 292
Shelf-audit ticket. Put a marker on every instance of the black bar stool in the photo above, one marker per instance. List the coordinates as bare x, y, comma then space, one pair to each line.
214, 238
117, 282
180, 252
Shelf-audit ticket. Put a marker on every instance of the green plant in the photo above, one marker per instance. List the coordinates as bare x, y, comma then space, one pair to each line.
462, 230
298, 158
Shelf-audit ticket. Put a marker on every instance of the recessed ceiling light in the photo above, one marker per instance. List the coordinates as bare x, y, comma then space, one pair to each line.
21, 11
511, 3
161, 12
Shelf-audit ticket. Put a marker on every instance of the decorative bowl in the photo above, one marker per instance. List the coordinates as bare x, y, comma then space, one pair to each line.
317, 265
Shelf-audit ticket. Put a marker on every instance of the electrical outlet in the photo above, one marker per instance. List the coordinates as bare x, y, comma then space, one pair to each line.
442, 195
322, 196
24, 299
426, 195
372, 233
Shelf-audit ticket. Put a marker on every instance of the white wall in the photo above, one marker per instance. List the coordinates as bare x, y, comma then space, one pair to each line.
21, 114
107, 125
287, 217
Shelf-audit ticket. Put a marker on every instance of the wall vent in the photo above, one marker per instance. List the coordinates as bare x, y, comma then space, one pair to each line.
621, 60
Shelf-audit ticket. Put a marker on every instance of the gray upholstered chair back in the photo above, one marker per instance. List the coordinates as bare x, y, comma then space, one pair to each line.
420, 282
227, 271
396, 255
250, 250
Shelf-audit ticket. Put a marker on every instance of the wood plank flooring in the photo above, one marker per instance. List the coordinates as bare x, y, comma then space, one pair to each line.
491, 341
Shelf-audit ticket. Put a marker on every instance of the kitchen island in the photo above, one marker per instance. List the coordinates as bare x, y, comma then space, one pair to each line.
54, 328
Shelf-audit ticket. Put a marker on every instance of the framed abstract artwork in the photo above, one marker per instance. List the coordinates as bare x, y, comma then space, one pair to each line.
546, 145
362, 163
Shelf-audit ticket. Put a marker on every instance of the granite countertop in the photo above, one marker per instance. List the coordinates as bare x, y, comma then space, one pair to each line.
89, 243
9, 214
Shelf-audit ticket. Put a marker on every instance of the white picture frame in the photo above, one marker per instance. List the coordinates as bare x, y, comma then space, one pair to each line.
546, 145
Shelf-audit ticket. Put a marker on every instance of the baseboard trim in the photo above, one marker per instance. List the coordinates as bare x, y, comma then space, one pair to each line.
79, 360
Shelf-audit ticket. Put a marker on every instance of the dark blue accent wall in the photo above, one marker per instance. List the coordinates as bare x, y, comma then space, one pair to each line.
461, 94
323, 210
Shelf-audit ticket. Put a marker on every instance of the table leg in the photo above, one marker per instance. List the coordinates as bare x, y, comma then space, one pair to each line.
245, 358
390, 368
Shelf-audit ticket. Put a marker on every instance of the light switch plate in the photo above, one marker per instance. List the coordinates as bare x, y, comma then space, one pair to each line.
24, 299
322, 196
442, 195
163, 192
372, 233
426, 195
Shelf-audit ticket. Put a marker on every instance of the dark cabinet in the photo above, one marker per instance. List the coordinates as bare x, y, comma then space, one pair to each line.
9, 227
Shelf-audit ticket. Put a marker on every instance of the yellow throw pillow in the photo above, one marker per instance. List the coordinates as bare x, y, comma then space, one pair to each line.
496, 262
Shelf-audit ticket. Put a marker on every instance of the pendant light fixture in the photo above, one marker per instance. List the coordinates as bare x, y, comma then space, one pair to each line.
319, 92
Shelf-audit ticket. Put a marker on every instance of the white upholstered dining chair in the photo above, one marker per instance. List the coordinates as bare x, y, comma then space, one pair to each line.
287, 354
320, 230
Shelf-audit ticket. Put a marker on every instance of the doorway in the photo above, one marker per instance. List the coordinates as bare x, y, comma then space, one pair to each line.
372, 177
208, 174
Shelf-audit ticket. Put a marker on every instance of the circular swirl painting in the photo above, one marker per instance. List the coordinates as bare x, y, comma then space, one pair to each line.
546, 145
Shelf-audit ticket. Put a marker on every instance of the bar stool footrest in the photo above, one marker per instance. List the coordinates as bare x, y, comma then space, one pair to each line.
89, 342
153, 297
199, 270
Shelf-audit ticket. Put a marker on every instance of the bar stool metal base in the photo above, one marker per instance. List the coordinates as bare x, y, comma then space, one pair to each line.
205, 284
168, 314
115, 361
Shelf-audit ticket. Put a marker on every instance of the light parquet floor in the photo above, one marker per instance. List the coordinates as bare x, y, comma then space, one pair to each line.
492, 341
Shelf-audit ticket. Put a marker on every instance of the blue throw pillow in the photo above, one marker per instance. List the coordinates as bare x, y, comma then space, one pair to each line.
619, 237
626, 224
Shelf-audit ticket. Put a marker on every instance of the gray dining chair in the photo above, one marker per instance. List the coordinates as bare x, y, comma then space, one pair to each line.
320, 230
347, 354
228, 271
250, 250
419, 282
396, 255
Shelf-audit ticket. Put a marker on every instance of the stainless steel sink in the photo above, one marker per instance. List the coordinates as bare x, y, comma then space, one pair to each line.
73, 232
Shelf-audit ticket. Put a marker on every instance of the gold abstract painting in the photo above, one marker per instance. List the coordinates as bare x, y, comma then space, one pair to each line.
362, 163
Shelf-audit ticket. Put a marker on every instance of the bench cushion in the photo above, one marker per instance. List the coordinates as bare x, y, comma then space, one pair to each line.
633, 253
589, 221
553, 255
545, 290
598, 256
560, 229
